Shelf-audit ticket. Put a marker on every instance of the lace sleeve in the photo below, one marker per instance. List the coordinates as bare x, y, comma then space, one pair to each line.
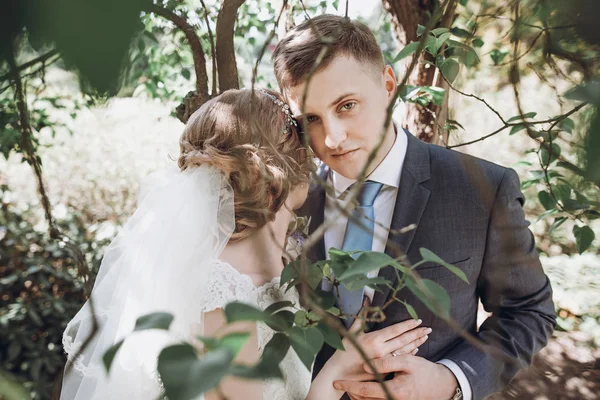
224, 285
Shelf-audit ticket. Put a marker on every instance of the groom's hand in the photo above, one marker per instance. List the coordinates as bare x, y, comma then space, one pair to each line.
414, 378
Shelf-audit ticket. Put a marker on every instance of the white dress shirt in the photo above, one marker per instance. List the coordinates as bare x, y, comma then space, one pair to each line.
388, 172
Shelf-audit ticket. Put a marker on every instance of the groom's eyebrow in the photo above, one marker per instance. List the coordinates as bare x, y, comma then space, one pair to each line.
340, 98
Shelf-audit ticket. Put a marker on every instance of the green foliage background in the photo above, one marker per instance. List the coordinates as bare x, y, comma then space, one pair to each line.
140, 54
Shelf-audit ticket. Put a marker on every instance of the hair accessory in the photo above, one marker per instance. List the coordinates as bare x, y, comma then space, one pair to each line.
289, 119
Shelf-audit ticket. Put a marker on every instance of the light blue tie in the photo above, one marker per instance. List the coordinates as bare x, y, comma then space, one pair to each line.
359, 236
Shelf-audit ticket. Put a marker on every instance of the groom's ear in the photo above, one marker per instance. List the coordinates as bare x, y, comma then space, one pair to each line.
389, 80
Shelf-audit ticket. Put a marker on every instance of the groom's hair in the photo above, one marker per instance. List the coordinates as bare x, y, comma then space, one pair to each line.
295, 55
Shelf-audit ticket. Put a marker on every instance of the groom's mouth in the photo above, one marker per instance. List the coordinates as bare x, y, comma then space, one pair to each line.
344, 155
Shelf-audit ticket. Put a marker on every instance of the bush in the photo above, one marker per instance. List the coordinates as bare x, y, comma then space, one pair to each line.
40, 293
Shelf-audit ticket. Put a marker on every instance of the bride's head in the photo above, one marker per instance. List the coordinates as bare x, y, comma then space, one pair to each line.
250, 138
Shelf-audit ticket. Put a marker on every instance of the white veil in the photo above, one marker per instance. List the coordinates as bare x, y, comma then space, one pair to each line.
183, 220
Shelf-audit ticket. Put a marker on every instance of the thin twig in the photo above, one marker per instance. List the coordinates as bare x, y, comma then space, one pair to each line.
213, 54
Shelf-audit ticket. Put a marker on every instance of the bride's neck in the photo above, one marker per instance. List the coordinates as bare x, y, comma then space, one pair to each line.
260, 254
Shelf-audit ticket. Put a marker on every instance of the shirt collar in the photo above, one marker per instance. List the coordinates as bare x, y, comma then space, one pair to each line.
387, 172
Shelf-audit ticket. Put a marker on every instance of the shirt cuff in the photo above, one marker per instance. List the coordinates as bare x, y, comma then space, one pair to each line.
463, 382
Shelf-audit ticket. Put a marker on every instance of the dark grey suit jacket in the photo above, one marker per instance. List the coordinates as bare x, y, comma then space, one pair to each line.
469, 212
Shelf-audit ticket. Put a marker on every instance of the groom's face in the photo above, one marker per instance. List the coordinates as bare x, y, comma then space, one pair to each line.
344, 113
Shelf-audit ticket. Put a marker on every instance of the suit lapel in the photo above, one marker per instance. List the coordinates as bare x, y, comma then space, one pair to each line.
410, 203
316, 209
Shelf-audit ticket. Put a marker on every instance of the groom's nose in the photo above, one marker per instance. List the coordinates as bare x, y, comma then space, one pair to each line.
335, 134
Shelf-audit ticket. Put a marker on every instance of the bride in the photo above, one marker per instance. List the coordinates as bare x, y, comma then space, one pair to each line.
207, 233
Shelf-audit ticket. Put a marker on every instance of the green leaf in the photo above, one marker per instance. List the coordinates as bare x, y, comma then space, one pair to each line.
185, 376
301, 318
330, 336
337, 255
109, 355
186, 73
306, 343
477, 42
574, 205
420, 29
278, 306
313, 317
360, 282
291, 271
158, 320
406, 51
411, 310
430, 256
431, 294
276, 349
325, 298
522, 117
450, 69
588, 91
339, 268
584, 236
592, 214
461, 33
465, 53
366, 262
234, 341
441, 40
268, 365
557, 222
454, 122
498, 55
561, 191
548, 158
440, 31
287, 317
236, 311
516, 128
463, 2
546, 214
567, 125
546, 200
334, 311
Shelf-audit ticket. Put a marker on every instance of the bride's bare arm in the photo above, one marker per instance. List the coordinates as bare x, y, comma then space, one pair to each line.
235, 388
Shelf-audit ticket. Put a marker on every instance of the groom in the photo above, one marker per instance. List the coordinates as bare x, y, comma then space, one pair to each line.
466, 210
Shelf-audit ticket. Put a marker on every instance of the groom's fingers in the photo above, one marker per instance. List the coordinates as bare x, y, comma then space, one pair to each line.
402, 362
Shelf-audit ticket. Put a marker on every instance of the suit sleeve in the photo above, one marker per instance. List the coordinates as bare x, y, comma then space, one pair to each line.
513, 287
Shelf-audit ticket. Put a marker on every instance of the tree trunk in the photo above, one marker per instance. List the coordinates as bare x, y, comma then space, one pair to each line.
427, 123
228, 72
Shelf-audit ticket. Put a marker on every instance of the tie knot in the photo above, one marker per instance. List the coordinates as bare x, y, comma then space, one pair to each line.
368, 193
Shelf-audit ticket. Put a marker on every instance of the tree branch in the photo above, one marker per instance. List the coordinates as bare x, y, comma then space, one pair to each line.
228, 72
212, 50
41, 59
197, 52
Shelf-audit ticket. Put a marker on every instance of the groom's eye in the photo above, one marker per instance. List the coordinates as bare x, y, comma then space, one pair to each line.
348, 106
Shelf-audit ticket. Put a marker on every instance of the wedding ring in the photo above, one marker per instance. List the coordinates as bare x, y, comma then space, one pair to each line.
394, 353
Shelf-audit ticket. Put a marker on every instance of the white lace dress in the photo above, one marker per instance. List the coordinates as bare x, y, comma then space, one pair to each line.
133, 374
227, 284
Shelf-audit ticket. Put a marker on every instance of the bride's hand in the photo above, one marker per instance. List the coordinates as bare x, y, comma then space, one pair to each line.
402, 338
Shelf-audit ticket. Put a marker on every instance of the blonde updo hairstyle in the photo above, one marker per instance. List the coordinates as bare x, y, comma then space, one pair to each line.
243, 135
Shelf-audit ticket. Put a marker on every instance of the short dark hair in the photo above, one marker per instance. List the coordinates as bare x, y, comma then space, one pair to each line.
295, 55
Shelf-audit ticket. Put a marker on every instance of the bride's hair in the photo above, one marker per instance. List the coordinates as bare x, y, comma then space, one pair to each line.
245, 136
